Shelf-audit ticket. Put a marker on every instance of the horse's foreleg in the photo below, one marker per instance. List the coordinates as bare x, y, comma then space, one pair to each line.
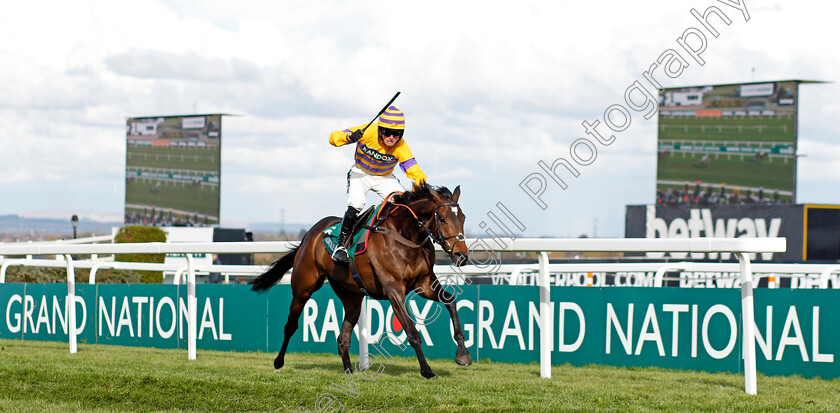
352, 307
432, 290
462, 355
398, 305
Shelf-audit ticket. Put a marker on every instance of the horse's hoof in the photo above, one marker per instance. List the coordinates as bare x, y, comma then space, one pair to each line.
433, 377
428, 375
463, 360
278, 364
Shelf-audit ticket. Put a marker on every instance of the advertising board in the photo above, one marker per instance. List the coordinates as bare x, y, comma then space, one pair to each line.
662, 327
719, 221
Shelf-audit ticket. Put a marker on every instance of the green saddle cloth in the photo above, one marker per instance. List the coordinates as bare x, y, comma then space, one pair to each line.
359, 238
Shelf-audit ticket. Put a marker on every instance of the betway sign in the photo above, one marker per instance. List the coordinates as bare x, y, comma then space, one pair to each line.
719, 221
633, 326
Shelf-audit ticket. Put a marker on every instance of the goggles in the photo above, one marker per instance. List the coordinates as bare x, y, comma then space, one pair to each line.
397, 133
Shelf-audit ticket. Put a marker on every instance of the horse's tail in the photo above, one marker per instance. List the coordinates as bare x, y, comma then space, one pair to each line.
275, 272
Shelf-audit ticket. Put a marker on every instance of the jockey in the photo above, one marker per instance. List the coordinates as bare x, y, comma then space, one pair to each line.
378, 150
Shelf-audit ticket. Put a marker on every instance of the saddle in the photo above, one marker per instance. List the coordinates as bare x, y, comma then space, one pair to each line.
369, 221
357, 242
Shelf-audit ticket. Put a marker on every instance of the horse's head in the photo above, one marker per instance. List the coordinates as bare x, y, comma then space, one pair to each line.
449, 224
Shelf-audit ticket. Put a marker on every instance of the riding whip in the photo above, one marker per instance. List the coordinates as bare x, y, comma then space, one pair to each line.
381, 111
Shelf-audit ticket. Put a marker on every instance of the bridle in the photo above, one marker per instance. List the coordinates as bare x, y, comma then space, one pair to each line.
438, 235
444, 241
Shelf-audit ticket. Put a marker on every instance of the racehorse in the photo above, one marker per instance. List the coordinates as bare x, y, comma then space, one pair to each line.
398, 258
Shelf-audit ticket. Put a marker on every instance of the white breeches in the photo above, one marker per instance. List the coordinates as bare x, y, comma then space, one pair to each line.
361, 183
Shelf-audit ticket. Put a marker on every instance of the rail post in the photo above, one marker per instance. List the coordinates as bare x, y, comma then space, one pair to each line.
192, 307
748, 323
71, 304
364, 334
546, 319
825, 276
93, 270
5, 266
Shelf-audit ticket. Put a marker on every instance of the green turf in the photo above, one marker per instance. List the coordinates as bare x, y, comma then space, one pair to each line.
732, 172
198, 159
772, 129
43, 376
204, 200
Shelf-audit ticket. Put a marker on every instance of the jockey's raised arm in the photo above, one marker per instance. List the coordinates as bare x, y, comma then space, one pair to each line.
379, 149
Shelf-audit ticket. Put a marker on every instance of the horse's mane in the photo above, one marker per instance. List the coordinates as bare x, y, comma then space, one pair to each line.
422, 192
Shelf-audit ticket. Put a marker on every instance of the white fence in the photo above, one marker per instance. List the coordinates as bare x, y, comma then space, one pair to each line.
741, 247
67, 250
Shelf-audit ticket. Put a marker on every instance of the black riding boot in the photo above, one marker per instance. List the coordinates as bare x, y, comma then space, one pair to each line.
340, 254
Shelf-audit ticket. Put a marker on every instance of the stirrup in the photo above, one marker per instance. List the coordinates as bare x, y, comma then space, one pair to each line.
340, 256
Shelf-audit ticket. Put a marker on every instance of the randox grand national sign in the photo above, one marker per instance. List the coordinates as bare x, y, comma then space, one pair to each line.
633, 326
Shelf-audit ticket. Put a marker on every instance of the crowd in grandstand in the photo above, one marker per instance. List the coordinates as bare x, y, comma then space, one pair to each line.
707, 196
159, 218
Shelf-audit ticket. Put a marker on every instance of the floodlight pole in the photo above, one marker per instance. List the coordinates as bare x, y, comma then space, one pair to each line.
75, 220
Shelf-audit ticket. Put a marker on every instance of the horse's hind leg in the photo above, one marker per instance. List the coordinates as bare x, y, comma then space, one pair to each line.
291, 326
302, 290
352, 308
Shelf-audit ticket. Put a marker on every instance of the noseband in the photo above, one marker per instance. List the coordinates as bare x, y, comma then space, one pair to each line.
444, 241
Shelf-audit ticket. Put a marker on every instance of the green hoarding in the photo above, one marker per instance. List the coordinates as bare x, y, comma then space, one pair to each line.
663, 327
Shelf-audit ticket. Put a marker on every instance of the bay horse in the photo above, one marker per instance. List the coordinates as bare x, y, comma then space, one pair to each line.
399, 258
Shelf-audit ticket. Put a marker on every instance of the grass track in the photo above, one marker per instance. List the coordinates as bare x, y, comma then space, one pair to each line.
203, 200
773, 129
732, 172
43, 376
200, 159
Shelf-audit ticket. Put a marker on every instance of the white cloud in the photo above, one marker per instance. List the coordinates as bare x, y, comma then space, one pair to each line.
150, 64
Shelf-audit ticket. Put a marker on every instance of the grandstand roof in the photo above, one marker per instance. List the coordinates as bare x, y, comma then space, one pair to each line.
754, 83
183, 116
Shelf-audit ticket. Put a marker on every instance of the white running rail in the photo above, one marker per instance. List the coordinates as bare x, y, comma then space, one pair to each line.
739, 246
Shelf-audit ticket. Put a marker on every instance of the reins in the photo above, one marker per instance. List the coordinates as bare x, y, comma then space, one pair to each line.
378, 220
443, 241
394, 234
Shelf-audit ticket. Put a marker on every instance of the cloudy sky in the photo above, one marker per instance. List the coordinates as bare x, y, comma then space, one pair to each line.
489, 89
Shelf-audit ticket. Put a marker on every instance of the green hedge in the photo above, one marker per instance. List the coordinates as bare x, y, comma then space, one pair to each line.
138, 233
46, 275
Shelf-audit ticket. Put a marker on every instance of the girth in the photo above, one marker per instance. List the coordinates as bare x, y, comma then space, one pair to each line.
376, 228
